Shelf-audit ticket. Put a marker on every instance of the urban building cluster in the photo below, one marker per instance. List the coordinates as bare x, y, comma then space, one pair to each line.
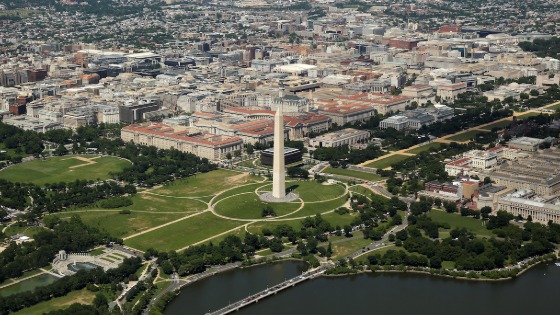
519, 178
207, 77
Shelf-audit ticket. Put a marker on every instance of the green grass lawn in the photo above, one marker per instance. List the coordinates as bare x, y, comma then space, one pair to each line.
183, 233
122, 225
29, 231
247, 163
310, 209
240, 190
448, 264
63, 169
333, 218
98, 251
527, 115
311, 191
425, 148
240, 232
258, 226
457, 221
555, 107
353, 173
341, 220
250, 206
207, 183
345, 248
500, 124
466, 136
386, 162
150, 202
361, 191
82, 296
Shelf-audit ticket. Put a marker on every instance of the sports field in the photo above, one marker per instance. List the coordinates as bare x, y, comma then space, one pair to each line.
64, 169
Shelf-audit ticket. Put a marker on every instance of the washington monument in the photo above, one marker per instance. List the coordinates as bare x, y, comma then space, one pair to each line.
278, 170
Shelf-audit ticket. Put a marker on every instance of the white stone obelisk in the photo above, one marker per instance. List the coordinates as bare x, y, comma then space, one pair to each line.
278, 170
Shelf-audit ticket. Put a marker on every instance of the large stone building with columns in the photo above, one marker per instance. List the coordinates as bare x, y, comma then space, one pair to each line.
162, 136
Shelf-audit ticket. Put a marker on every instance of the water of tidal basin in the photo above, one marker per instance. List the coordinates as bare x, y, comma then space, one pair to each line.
534, 292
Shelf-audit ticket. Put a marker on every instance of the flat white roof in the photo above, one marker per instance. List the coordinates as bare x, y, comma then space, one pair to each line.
143, 55
296, 67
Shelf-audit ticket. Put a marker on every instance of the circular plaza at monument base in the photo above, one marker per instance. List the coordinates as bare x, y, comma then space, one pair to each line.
269, 197
303, 198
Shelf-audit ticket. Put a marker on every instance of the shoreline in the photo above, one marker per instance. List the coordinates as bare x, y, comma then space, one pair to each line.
435, 273
176, 291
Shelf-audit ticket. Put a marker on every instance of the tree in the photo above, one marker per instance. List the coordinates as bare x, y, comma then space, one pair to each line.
267, 211
250, 149
329, 251
297, 172
402, 235
61, 150
347, 231
237, 153
228, 156
450, 207
485, 212
397, 220
435, 262
534, 92
100, 301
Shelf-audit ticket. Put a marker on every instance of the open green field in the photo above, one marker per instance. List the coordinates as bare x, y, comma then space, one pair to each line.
457, 221
311, 191
333, 218
250, 206
258, 226
386, 162
360, 190
29, 231
206, 184
348, 247
64, 169
425, 148
500, 124
82, 296
465, 136
183, 233
238, 190
341, 220
122, 225
239, 232
527, 115
154, 203
311, 209
554, 107
353, 173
